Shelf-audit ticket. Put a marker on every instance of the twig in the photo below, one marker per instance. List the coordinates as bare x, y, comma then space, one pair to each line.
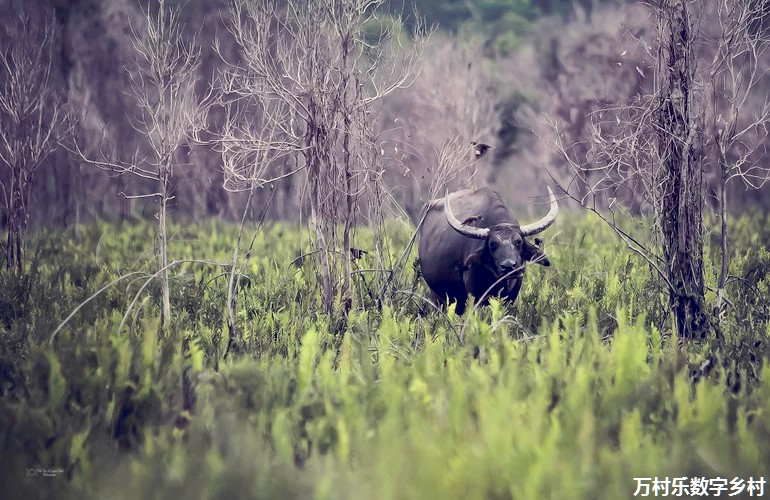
89, 299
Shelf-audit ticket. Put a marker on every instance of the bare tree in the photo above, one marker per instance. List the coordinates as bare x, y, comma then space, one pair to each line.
170, 115
679, 204
592, 63
659, 145
318, 75
454, 166
31, 115
454, 98
253, 158
734, 77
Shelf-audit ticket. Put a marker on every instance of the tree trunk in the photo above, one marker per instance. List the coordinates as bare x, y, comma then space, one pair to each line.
723, 239
346, 111
316, 142
725, 177
233, 341
16, 224
163, 247
680, 212
316, 213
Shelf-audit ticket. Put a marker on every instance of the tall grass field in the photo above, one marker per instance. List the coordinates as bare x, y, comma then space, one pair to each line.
574, 392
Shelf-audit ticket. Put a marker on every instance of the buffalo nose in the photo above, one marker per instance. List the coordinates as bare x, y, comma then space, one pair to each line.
508, 265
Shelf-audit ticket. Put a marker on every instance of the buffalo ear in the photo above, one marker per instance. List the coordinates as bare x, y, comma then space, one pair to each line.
473, 259
534, 254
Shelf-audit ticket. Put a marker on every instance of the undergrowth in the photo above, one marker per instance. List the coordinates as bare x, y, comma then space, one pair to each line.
570, 393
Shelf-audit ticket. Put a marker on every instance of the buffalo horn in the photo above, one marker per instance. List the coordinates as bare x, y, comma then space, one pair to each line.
472, 232
542, 224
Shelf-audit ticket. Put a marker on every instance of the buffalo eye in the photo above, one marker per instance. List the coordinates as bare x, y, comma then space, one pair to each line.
517, 243
493, 245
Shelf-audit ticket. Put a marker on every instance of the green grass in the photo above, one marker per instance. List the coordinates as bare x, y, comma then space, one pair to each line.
571, 393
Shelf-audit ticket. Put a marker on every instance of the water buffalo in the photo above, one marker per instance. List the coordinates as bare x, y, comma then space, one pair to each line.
461, 258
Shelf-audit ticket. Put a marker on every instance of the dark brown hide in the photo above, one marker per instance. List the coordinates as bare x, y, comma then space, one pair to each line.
455, 265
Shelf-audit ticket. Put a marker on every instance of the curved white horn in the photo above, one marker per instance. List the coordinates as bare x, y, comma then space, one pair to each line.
542, 224
478, 233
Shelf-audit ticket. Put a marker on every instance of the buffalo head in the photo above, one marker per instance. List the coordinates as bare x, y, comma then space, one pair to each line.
505, 246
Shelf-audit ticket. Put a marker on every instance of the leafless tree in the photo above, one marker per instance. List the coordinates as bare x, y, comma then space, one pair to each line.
658, 145
679, 180
170, 115
454, 166
572, 69
318, 73
31, 115
252, 159
452, 102
738, 135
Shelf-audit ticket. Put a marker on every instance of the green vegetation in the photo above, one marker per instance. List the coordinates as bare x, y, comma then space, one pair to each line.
571, 393
505, 24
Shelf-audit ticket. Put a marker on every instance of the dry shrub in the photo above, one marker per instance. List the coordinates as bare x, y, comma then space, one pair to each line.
427, 129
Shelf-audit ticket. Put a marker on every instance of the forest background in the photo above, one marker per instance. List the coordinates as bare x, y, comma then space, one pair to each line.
493, 72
